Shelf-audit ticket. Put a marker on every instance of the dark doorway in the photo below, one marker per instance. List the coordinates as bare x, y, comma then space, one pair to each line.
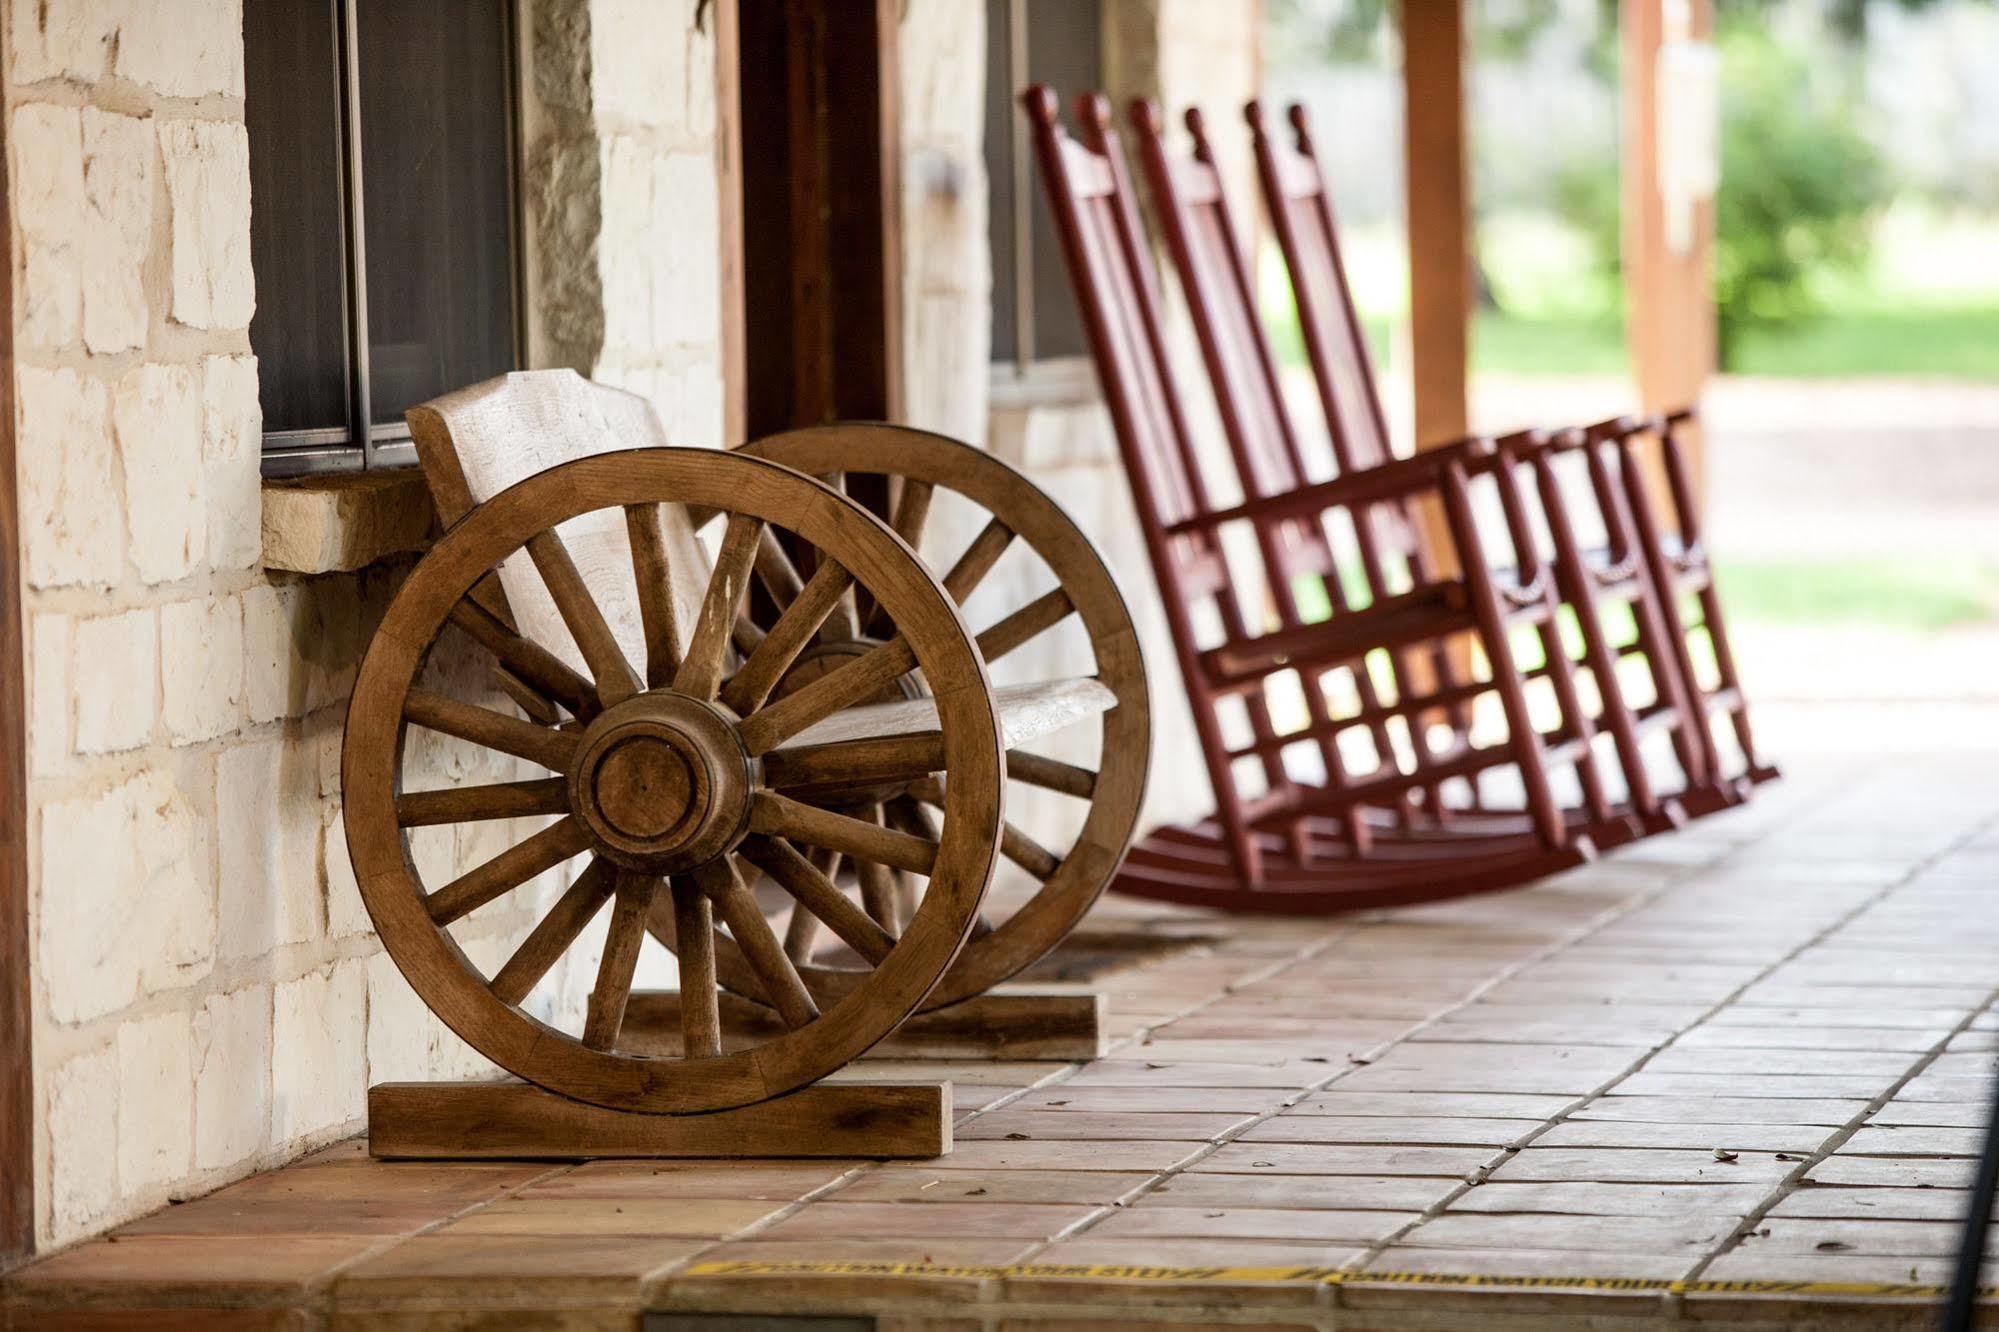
821, 264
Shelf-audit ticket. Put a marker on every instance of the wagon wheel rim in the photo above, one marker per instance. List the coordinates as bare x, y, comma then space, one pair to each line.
605, 736
1016, 511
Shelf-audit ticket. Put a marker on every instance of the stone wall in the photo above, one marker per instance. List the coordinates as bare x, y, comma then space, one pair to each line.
946, 258
208, 995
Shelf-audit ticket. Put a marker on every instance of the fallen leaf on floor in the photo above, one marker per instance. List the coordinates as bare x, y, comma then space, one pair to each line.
1723, 1154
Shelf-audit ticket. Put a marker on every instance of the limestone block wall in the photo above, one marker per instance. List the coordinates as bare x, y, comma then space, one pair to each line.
624, 269
209, 998
947, 262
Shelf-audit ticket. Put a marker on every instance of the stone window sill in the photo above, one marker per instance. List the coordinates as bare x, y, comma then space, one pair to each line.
343, 522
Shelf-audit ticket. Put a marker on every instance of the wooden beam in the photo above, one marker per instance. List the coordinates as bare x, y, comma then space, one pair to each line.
17, 1064
729, 213
1669, 291
468, 1121
1437, 201
1437, 192
821, 198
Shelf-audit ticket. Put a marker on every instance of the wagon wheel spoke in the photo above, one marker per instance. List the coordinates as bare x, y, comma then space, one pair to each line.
815, 892
652, 571
1027, 853
782, 986
843, 623
1036, 617
528, 660
780, 816
552, 749
878, 887
858, 679
801, 932
507, 871
779, 576
469, 804
701, 670
539, 708
910, 817
615, 680
1051, 774
978, 560
1015, 845
747, 634
781, 645
555, 932
912, 509
605, 1017
694, 936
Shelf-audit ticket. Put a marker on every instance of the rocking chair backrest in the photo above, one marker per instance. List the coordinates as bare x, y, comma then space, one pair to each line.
1301, 213
1089, 192
1193, 211
475, 442
1119, 301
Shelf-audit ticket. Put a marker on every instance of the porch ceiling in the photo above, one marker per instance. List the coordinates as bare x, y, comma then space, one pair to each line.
1754, 1053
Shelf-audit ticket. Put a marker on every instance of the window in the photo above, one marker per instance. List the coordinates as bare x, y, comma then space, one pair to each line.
1057, 42
383, 223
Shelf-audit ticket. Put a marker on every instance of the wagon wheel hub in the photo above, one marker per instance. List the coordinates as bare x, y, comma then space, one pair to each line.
663, 783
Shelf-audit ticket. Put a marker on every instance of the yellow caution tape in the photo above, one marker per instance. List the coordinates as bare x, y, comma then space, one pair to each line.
1321, 1275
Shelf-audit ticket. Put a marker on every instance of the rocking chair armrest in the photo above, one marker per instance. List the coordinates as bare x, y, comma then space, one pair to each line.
1397, 479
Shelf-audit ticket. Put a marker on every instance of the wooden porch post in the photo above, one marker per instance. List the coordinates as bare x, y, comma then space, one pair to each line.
1669, 290
729, 213
17, 1064
821, 196
1437, 196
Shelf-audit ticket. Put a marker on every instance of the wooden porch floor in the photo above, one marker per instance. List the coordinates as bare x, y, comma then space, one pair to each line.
1730, 1077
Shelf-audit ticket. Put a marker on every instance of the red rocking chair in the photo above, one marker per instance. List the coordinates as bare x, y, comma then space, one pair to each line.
1323, 833
1638, 547
1193, 212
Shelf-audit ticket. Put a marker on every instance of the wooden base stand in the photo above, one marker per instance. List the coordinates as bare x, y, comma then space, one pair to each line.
1007, 1022
475, 1120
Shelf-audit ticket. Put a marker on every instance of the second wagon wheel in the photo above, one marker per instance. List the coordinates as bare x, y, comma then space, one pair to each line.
1022, 568
659, 770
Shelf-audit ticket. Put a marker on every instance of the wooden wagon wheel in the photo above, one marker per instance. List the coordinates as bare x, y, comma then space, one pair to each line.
1006, 507
664, 778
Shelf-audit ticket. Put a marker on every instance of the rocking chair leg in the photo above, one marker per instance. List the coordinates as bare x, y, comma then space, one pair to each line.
1528, 751
1674, 687
1645, 517
1596, 648
1669, 686
1724, 660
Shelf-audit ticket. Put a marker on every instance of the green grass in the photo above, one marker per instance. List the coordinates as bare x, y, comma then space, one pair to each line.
1944, 343
1911, 596
1508, 345
1948, 343
1904, 595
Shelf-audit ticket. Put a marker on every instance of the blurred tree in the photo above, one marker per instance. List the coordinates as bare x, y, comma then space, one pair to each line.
1800, 185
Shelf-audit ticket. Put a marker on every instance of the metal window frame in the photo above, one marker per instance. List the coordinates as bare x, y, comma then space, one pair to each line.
1026, 378
332, 449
